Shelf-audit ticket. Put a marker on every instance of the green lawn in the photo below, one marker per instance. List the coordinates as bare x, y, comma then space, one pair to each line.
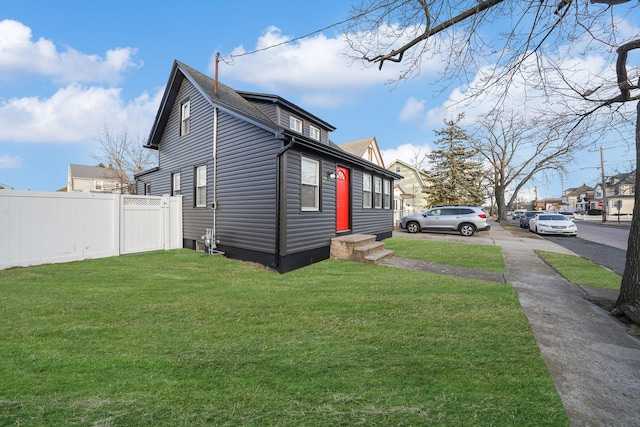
581, 271
183, 338
482, 257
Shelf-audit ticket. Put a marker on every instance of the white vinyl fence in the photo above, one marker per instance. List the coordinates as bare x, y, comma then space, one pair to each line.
42, 228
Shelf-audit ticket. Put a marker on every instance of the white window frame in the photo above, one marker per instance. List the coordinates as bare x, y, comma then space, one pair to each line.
295, 124
314, 132
185, 117
147, 188
377, 192
309, 180
200, 181
386, 194
175, 184
366, 190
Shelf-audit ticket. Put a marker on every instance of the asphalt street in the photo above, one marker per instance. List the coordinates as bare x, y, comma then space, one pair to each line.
610, 257
607, 256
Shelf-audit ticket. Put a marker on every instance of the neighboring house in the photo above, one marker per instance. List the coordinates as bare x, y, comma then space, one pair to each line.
577, 199
550, 204
93, 179
619, 193
367, 148
261, 174
409, 195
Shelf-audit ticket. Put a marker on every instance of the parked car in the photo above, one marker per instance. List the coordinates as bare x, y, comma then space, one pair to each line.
517, 213
524, 219
570, 215
464, 219
552, 224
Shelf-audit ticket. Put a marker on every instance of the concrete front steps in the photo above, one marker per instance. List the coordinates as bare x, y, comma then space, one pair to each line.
359, 248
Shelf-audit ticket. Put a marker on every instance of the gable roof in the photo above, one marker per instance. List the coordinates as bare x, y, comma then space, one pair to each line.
420, 176
627, 178
92, 172
237, 104
576, 192
359, 147
225, 98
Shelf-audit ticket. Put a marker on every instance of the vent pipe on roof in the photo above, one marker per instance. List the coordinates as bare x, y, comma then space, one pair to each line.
215, 82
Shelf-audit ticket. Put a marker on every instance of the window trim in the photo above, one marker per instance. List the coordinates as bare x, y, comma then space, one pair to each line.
147, 188
315, 185
175, 189
386, 194
317, 132
295, 124
367, 193
196, 186
377, 192
185, 117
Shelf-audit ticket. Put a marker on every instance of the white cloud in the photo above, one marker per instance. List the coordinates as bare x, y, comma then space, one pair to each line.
311, 67
406, 153
74, 113
10, 162
412, 110
584, 65
525, 95
20, 55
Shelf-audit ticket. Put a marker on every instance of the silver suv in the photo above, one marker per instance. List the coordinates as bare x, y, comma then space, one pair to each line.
464, 219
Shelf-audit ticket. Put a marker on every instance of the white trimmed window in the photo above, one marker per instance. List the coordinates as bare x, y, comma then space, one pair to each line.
366, 190
314, 132
147, 189
201, 186
185, 117
387, 194
175, 184
295, 124
310, 185
377, 196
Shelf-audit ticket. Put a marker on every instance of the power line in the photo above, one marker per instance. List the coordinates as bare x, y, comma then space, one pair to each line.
360, 15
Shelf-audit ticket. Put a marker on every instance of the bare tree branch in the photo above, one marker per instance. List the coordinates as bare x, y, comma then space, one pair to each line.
125, 154
397, 54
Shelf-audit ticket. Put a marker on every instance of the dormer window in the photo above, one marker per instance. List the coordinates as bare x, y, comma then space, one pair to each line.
314, 132
185, 117
295, 124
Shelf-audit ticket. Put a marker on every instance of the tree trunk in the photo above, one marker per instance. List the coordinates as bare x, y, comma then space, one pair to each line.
628, 302
501, 203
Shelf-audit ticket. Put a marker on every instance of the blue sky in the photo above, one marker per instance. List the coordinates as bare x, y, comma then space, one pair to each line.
70, 68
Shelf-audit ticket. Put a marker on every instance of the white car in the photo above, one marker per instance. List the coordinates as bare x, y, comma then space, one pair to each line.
552, 224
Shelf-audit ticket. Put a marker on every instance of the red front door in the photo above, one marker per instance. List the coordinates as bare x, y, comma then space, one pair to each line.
342, 199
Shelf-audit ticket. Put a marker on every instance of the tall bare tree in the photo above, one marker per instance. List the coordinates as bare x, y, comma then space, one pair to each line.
516, 149
125, 153
534, 45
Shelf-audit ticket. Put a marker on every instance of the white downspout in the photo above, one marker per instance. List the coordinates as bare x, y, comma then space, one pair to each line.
215, 174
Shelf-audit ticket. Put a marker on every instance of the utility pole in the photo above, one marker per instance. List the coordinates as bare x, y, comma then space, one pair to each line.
604, 190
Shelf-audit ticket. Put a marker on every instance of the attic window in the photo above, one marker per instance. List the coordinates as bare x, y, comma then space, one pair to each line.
185, 117
314, 132
295, 124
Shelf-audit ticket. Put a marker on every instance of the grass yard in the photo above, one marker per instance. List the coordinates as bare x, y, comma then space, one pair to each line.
183, 338
581, 271
481, 257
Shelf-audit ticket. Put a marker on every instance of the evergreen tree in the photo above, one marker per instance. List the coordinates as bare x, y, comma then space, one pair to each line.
456, 174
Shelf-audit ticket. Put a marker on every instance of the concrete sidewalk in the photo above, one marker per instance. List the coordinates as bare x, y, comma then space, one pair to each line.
594, 362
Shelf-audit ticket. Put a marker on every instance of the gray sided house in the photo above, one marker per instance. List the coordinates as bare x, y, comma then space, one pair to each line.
262, 173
